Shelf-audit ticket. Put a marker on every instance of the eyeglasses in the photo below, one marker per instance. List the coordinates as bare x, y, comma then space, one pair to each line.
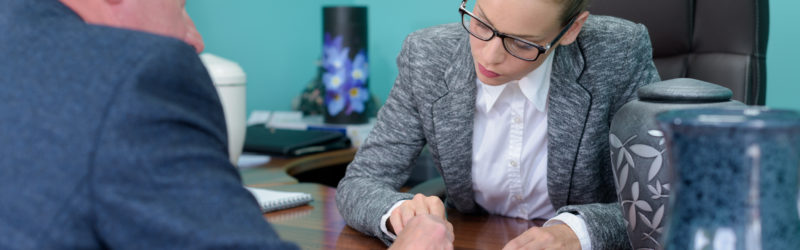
517, 47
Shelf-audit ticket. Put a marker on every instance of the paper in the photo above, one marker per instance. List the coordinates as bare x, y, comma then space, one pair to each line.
248, 160
271, 200
259, 117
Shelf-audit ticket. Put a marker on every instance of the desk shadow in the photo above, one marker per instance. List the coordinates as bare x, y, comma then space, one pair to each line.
328, 176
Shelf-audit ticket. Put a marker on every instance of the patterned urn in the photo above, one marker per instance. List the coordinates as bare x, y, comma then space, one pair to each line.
735, 178
637, 152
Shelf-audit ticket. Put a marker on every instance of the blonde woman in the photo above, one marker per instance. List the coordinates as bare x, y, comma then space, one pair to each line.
515, 103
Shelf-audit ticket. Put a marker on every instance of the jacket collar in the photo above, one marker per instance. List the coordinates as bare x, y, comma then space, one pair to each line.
534, 87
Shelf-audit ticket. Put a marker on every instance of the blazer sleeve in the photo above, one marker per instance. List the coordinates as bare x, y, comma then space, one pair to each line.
605, 222
384, 161
161, 178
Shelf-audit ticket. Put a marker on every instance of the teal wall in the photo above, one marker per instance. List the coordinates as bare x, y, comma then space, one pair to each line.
278, 43
783, 55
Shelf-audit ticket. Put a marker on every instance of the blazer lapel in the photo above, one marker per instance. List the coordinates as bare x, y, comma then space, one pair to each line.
453, 116
569, 104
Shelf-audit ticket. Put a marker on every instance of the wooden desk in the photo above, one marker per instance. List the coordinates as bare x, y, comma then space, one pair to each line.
279, 170
320, 226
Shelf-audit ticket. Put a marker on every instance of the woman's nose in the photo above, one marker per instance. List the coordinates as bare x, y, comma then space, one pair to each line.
494, 52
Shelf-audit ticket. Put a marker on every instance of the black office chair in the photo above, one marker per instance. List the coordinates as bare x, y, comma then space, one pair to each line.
718, 41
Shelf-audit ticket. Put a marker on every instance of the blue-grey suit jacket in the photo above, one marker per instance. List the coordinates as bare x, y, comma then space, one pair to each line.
113, 138
433, 102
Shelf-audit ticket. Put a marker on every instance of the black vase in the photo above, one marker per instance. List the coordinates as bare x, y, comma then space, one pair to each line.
345, 71
637, 149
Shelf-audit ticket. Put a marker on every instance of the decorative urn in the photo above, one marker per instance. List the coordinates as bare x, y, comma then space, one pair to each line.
637, 152
735, 178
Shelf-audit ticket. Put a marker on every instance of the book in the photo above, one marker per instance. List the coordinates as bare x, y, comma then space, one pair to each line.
356, 132
294, 120
287, 142
271, 200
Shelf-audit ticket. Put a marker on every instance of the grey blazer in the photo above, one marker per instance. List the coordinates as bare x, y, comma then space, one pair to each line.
433, 102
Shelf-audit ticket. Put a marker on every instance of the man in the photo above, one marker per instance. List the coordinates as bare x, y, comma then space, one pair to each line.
115, 138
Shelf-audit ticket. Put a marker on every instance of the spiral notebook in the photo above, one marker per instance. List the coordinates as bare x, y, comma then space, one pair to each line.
271, 200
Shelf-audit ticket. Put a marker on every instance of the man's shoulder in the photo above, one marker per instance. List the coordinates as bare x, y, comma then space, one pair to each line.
114, 57
130, 46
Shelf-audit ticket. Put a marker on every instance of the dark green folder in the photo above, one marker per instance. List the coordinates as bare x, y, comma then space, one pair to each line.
287, 142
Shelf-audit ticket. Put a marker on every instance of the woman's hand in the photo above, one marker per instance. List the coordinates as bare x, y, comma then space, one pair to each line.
419, 205
553, 237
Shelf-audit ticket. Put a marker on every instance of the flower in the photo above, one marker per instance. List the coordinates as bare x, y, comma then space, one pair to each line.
360, 72
345, 79
334, 80
334, 57
358, 96
335, 102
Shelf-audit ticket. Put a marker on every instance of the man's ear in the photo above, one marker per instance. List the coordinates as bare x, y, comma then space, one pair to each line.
572, 34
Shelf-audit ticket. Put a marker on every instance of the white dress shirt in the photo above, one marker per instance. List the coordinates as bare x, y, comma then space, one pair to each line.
509, 147
509, 152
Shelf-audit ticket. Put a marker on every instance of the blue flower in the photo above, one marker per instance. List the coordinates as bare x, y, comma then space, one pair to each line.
345, 80
335, 80
358, 96
336, 102
334, 57
360, 70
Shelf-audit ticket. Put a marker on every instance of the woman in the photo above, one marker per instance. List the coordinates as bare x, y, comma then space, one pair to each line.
515, 104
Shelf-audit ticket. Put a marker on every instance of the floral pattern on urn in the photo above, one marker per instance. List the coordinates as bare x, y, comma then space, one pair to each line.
641, 174
345, 64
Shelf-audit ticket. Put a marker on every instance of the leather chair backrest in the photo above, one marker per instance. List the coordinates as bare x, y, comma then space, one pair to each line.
718, 41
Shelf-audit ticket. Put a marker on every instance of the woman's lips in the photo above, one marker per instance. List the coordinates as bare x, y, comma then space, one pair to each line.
486, 72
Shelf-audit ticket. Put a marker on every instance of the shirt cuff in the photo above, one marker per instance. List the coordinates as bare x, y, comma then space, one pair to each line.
385, 217
577, 224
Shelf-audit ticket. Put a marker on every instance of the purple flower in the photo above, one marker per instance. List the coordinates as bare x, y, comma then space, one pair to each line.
358, 96
335, 80
360, 70
334, 57
336, 101
345, 80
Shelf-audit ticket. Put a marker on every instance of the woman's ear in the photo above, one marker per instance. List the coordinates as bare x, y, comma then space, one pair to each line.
572, 34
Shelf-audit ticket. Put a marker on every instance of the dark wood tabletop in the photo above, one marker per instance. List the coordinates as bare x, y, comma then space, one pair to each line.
319, 225
279, 170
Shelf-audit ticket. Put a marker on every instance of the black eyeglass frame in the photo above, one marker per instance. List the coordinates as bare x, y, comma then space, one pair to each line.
463, 10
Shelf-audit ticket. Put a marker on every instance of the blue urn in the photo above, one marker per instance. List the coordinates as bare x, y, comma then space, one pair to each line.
735, 178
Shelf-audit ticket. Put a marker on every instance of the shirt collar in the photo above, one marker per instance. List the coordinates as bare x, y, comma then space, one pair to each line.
534, 87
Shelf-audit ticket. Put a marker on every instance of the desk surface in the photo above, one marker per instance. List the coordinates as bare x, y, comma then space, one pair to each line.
319, 225
279, 170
